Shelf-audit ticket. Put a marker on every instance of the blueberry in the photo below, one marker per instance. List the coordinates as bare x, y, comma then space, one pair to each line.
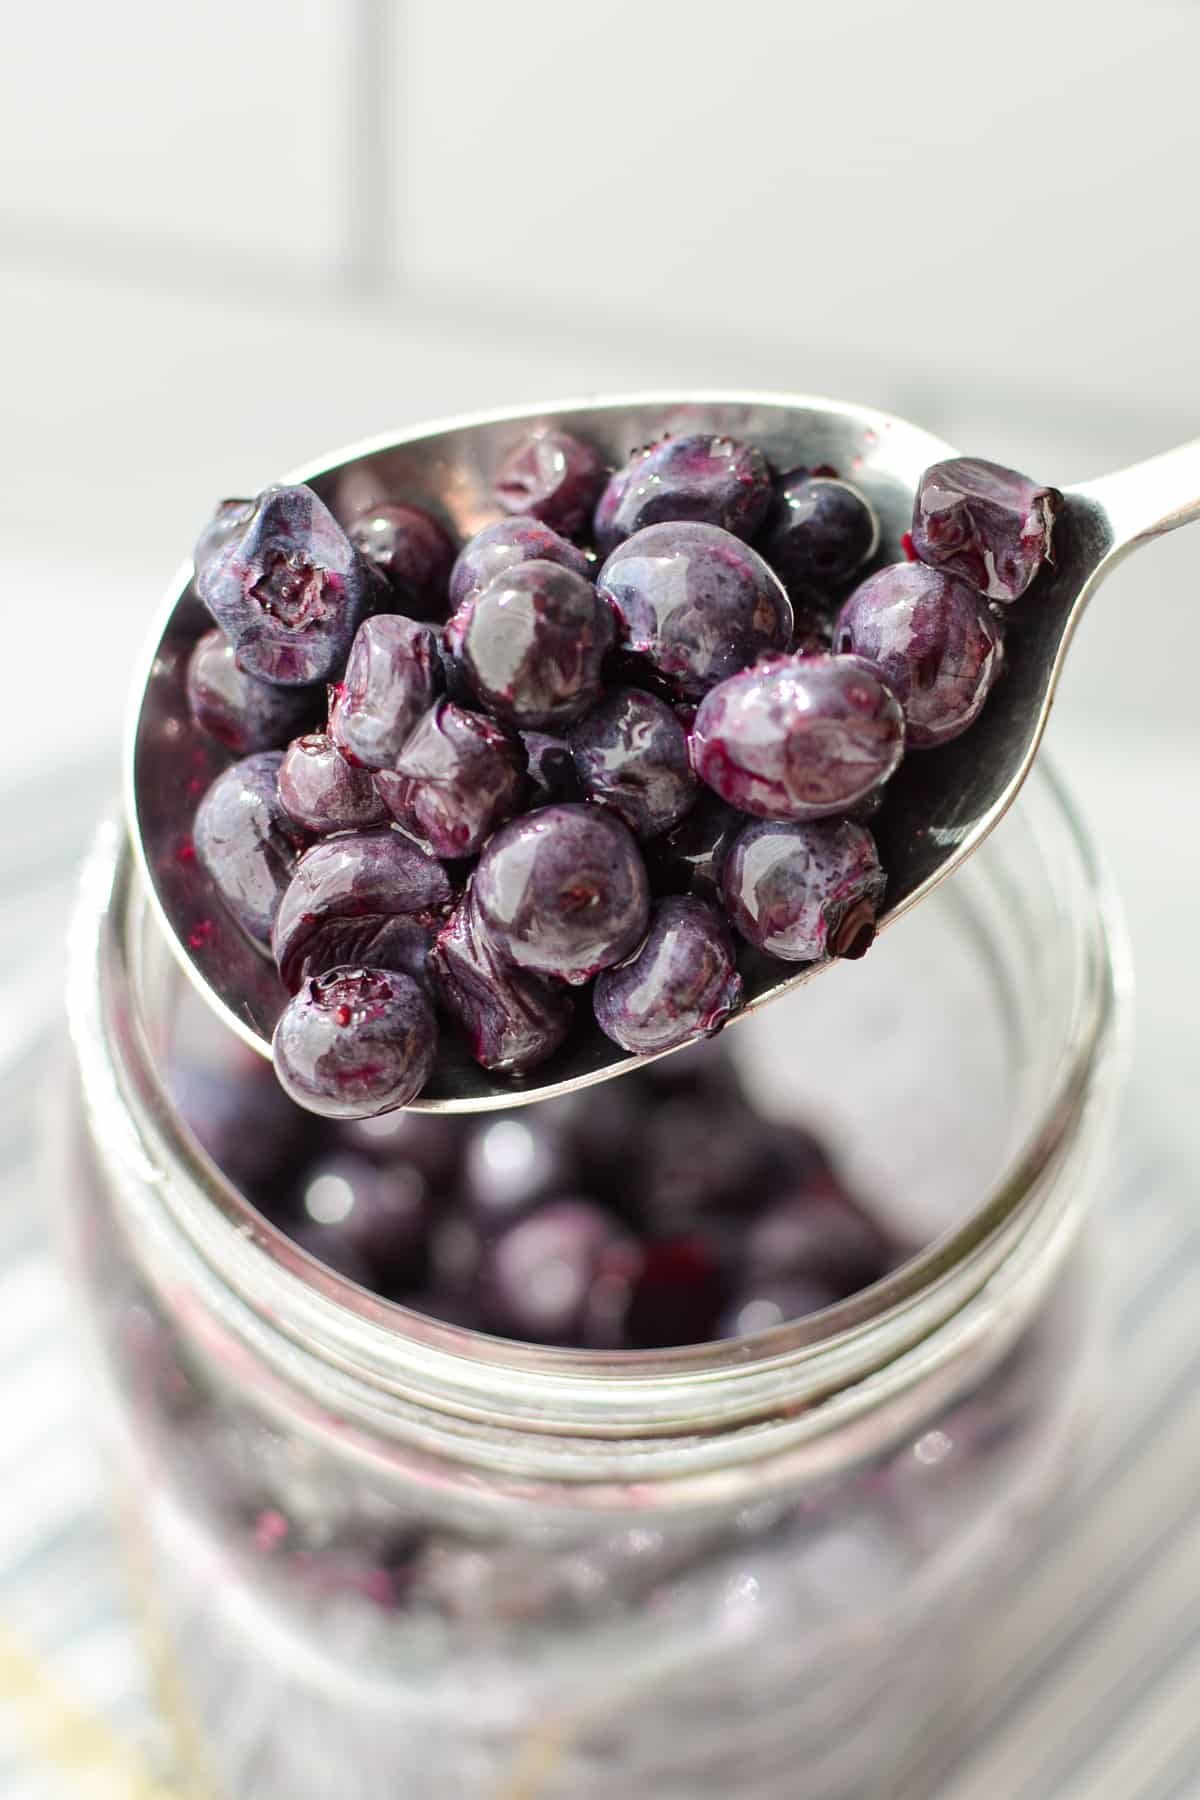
413, 553
458, 776
688, 858
695, 603
513, 1019
551, 476
683, 982
817, 1232
380, 1212
322, 792
757, 1305
678, 1296
823, 531
355, 1042
803, 891
802, 737
535, 1279
533, 644
244, 714
700, 1154
512, 1163
933, 640
502, 546
714, 480
422, 1141
289, 589
393, 674
984, 523
246, 842
552, 772
563, 892
350, 891
243, 1119
631, 752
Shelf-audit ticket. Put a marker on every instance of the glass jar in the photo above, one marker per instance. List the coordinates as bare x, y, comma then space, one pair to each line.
380, 1554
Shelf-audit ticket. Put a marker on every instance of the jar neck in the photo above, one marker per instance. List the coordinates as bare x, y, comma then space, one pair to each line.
705, 1423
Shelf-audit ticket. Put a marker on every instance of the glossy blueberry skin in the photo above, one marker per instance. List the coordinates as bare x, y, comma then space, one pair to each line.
413, 553
681, 984
631, 753
563, 892
804, 890
381, 1213
322, 792
552, 772
458, 776
688, 858
244, 714
533, 644
393, 675
933, 640
553, 477
988, 525
713, 480
355, 1042
536, 1278
823, 530
695, 603
503, 546
246, 842
350, 889
289, 590
513, 1019
801, 737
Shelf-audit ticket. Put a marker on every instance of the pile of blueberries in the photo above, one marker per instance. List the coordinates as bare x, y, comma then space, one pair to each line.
603, 742
656, 1210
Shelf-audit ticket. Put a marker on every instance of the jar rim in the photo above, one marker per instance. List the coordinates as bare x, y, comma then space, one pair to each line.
406, 1362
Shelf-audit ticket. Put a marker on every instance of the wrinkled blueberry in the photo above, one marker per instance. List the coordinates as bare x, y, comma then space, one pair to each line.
682, 983
533, 644
802, 737
688, 858
984, 523
563, 892
393, 675
502, 546
631, 752
321, 791
345, 891
695, 603
244, 714
552, 772
458, 776
823, 531
247, 843
802, 891
381, 1211
513, 1019
553, 477
714, 480
933, 640
413, 553
230, 518
354, 1042
289, 589
535, 1279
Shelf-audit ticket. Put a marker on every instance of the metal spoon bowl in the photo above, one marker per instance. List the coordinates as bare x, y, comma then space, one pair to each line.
939, 807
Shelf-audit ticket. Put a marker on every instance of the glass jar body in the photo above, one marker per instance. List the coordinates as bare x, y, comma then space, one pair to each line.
370, 1570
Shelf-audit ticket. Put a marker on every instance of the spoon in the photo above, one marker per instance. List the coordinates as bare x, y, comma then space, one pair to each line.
940, 805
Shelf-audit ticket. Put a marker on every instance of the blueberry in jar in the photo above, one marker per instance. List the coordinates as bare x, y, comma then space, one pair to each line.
288, 589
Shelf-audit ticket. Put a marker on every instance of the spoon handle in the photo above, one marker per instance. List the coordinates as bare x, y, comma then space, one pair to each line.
1150, 498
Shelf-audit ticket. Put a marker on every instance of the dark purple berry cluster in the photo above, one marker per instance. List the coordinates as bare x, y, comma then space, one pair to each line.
602, 743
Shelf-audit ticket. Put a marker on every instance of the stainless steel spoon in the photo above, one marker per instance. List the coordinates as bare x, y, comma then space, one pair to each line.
940, 806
